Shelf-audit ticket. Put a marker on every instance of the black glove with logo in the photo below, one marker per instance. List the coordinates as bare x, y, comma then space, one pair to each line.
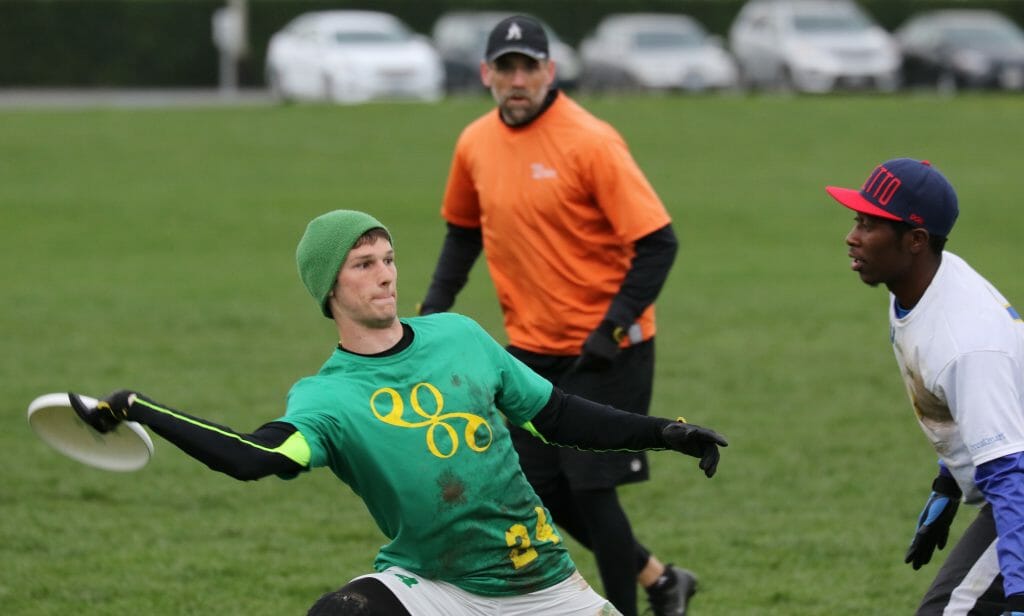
934, 521
695, 441
107, 413
600, 348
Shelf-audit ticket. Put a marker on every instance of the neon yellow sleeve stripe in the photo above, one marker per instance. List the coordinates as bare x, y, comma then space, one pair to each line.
295, 447
528, 426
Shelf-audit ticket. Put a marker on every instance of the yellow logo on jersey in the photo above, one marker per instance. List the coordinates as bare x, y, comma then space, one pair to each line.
432, 421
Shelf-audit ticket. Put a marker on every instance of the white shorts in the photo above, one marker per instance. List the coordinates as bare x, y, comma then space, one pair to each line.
423, 597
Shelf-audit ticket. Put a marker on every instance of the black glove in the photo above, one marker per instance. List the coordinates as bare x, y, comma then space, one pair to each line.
600, 348
933, 523
695, 441
1014, 605
107, 413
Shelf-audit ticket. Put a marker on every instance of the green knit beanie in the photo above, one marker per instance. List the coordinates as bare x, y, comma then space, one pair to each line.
324, 247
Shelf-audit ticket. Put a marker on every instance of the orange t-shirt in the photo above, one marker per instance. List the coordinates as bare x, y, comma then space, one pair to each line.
560, 203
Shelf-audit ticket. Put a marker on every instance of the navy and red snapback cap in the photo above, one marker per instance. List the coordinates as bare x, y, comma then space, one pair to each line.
904, 189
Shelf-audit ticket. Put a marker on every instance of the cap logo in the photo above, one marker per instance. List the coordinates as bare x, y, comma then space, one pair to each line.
515, 33
881, 185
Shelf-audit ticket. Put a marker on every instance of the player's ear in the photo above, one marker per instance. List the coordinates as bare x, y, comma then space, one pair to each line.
485, 74
917, 240
333, 303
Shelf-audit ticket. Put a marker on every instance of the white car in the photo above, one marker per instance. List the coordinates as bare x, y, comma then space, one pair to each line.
461, 37
813, 46
352, 57
655, 51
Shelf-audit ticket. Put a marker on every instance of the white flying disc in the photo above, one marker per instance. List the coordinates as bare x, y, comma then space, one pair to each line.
125, 448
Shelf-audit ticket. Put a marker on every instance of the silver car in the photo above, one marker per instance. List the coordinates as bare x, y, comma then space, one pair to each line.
813, 46
655, 51
352, 57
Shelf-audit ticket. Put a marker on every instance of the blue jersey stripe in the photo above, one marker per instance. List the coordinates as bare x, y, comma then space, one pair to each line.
1002, 482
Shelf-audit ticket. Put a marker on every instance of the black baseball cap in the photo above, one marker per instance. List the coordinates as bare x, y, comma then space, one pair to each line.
517, 34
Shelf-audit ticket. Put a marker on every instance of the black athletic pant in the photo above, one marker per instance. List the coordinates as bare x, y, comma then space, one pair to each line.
579, 487
607, 520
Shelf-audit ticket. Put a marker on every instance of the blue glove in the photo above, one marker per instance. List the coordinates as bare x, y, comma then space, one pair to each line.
934, 521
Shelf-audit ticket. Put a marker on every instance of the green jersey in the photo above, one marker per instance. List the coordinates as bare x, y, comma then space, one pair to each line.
420, 436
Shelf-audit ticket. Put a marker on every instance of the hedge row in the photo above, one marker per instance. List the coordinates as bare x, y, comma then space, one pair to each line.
168, 43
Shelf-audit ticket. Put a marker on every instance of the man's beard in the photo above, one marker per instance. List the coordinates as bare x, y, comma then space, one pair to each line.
517, 115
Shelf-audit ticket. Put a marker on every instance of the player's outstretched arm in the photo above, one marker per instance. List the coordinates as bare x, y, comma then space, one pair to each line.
276, 448
577, 422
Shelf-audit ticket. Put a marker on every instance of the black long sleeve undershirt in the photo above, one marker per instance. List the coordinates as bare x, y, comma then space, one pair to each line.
243, 456
652, 260
573, 421
461, 248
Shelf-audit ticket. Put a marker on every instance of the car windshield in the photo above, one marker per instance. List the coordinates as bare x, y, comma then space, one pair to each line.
349, 37
666, 39
474, 35
984, 37
830, 23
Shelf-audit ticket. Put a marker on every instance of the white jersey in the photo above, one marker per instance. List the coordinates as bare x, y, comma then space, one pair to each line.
961, 354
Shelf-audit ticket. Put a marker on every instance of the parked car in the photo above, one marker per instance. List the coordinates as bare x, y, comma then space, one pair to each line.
655, 51
958, 48
813, 46
461, 37
351, 57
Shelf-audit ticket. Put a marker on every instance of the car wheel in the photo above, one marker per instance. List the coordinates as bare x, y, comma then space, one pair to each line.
744, 81
889, 83
603, 79
328, 94
1011, 78
946, 83
276, 88
784, 82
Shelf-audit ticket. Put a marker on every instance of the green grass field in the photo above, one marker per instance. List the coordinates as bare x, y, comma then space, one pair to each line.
154, 249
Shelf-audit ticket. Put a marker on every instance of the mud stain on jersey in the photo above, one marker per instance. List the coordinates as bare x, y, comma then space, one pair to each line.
453, 490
